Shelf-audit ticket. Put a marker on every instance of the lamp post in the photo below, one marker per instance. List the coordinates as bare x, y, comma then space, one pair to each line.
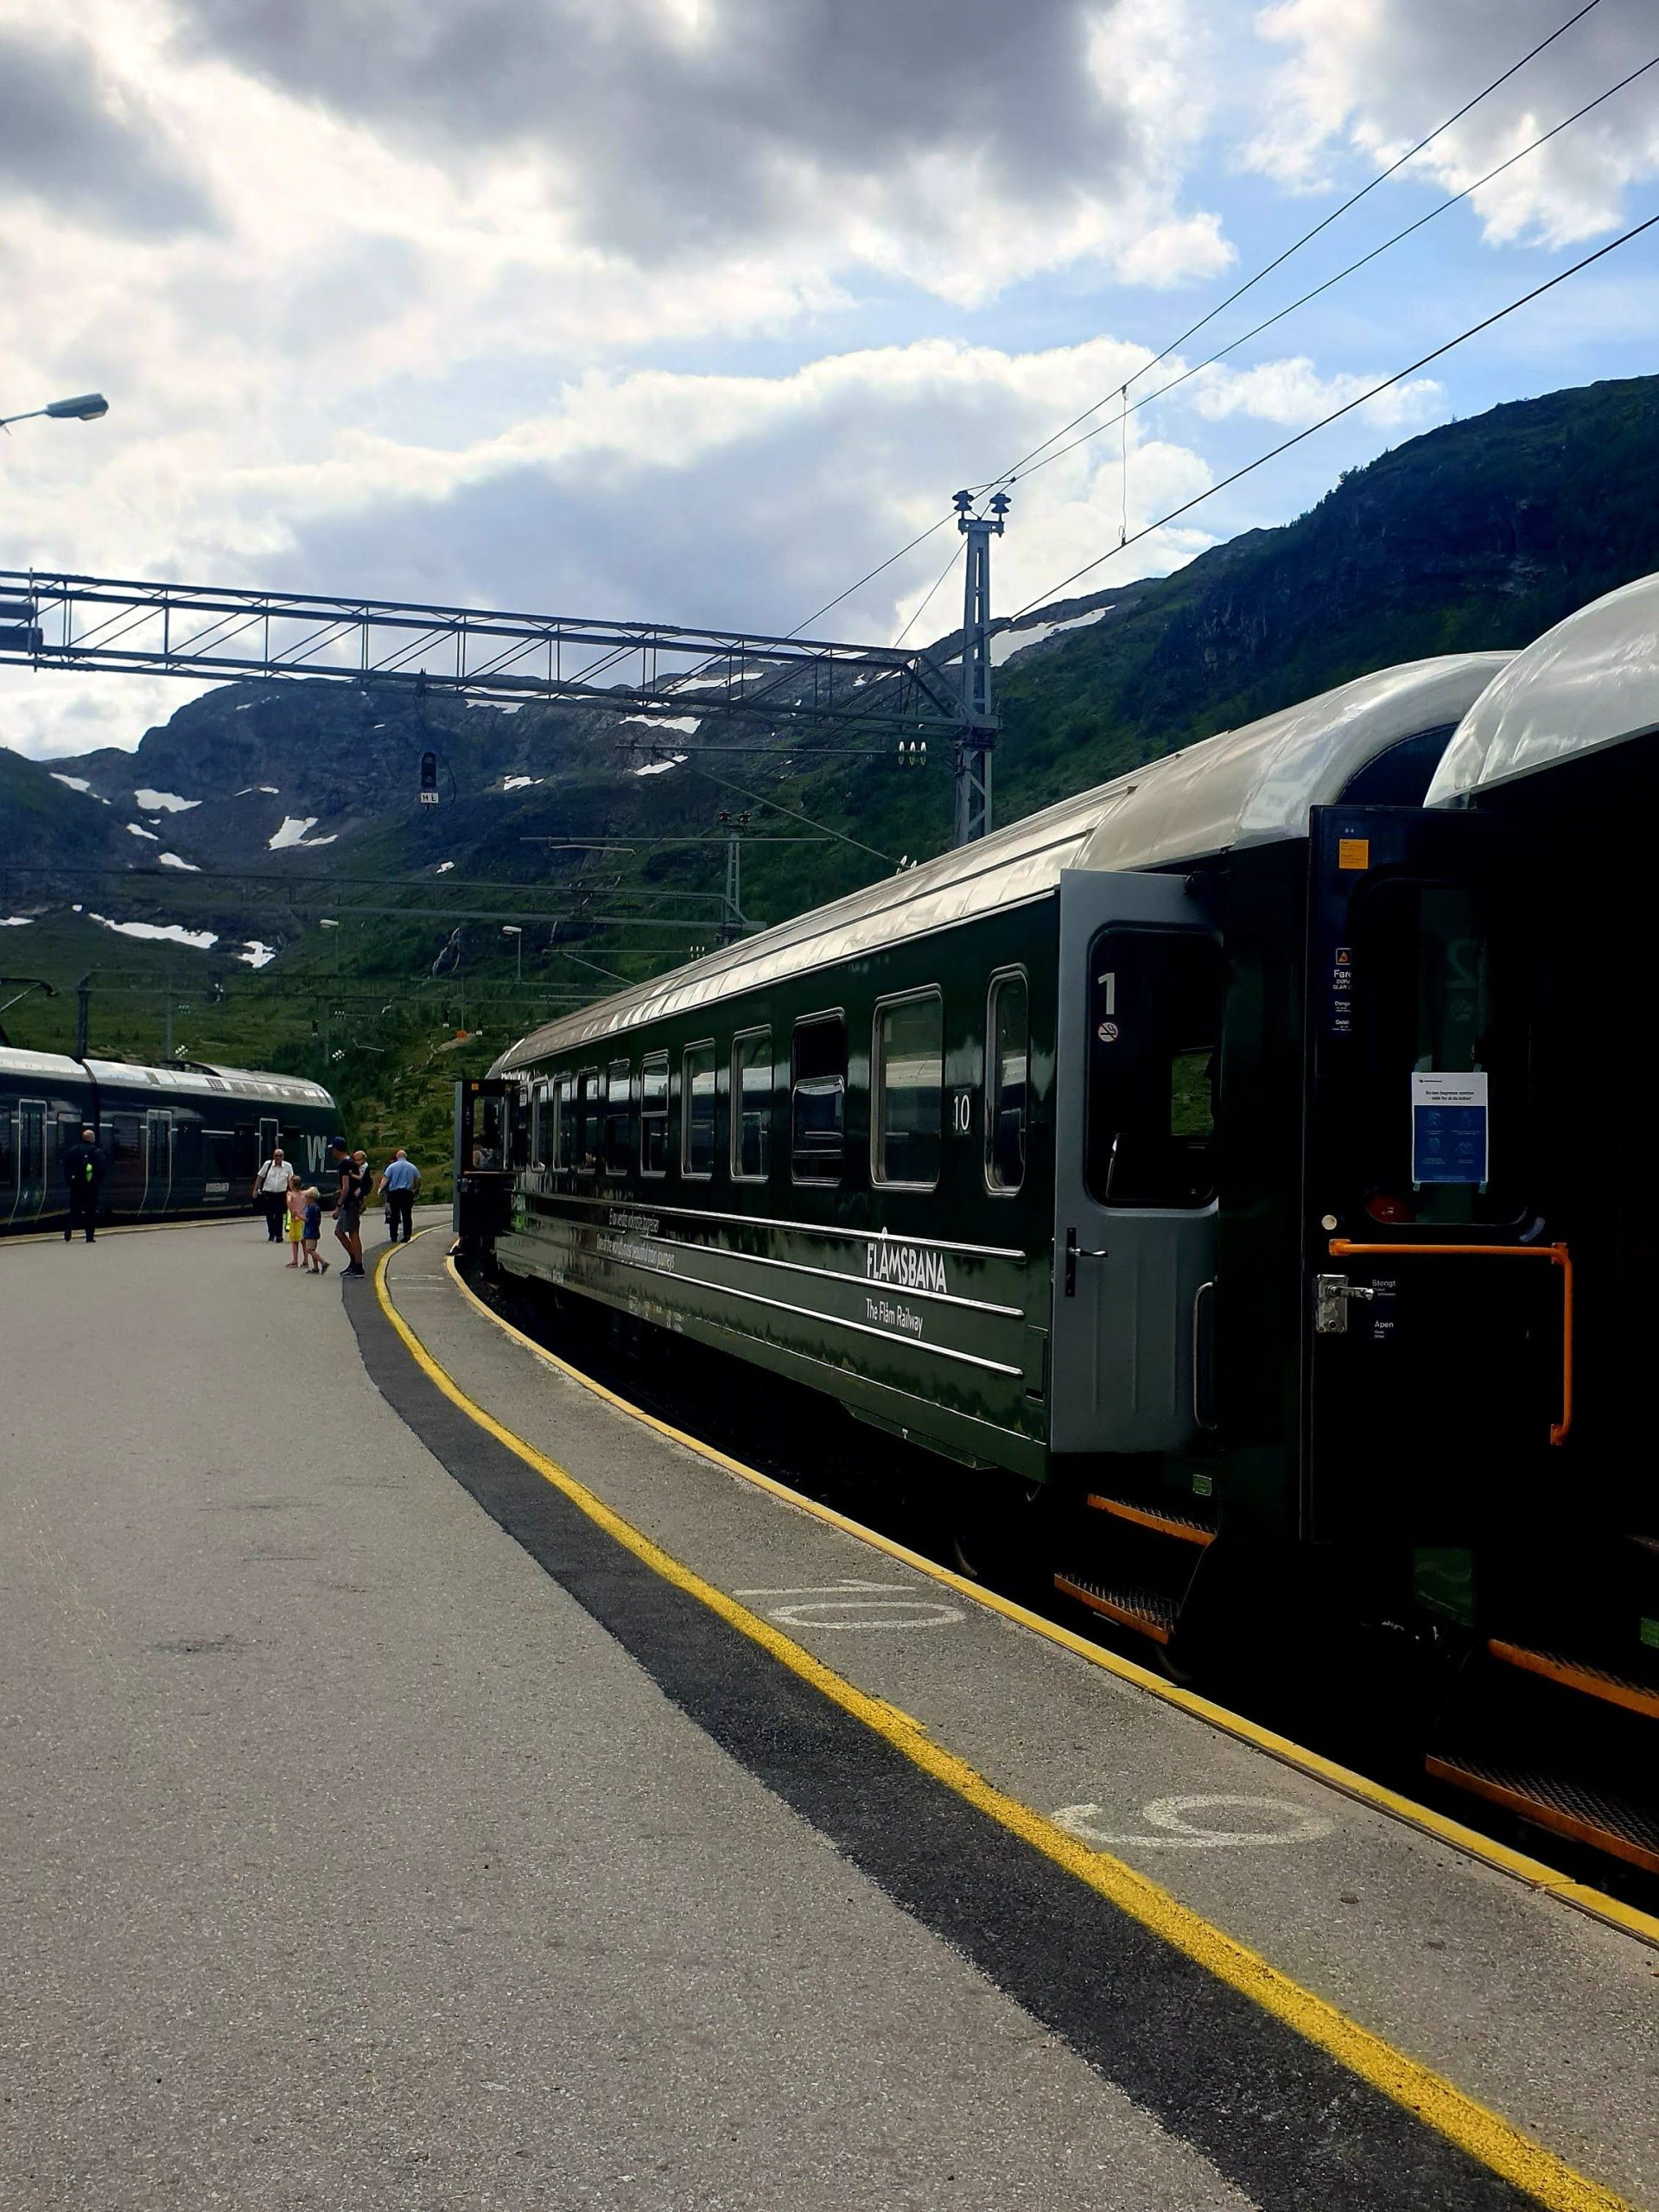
514, 931
85, 408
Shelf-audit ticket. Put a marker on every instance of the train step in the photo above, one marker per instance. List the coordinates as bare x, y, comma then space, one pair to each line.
1586, 1813
1149, 1612
1573, 1673
1180, 1526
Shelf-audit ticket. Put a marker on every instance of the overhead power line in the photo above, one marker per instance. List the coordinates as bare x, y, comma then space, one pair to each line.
1008, 475
1256, 329
1336, 413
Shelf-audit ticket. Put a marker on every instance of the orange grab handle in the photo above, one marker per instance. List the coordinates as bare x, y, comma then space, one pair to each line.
1557, 1255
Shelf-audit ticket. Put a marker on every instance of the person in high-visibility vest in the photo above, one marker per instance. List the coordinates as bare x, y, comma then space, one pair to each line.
83, 1173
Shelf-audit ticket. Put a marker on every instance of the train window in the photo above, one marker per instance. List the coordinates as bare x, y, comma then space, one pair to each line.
907, 1078
1155, 1021
563, 1132
216, 1158
619, 1115
1007, 1061
586, 1159
6, 1169
698, 1113
752, 1106
817, 1098
653, 1114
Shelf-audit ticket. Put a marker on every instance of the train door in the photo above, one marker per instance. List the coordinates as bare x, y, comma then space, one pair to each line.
1438, 1387
32, 1122
271, 1135
158, 1160
1134, 1211
483, 1187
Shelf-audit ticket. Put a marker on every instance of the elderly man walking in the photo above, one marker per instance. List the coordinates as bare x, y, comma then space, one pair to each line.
400, 1178
271, 1188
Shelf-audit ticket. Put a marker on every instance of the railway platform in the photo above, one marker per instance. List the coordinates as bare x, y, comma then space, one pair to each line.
426, 1783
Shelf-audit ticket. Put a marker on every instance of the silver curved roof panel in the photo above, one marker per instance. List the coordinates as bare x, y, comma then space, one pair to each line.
1246, 786
1590, 681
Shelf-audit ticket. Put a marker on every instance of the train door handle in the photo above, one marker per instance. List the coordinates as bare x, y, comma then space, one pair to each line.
1073, 1253
1330, 1297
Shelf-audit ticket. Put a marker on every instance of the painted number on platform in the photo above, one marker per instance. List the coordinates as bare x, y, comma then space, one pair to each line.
1201, 1824
857, 1604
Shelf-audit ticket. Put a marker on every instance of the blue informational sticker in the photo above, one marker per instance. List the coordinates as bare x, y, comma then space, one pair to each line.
1449, 1132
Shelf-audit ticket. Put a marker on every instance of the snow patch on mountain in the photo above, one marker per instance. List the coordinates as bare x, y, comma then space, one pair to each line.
256, 955
172, 860
294, 831
136, 829
658, 767
160, 933
16, 921
518, 783
1007, 643
164, 802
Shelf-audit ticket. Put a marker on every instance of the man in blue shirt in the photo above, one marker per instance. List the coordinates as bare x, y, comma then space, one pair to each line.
400, 1180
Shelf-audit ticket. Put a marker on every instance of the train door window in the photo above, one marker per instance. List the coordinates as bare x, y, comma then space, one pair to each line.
619, 1115
7, 1165
697, 1137
540, 1129
1154, 1025
1431, 1004
817, 1098
563, 1136
752, 1106
586, 1159
907, 1079
159, 1157
653, 1114
1007, 1068
31, 1119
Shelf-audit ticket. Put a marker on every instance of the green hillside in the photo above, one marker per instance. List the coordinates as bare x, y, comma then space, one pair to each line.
1477, 535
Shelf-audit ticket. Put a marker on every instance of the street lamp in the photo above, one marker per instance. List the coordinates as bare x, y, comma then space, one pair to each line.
514, 930
87, 408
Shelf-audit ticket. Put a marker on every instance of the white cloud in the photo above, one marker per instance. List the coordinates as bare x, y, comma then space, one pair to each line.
1293, 393
1376, 78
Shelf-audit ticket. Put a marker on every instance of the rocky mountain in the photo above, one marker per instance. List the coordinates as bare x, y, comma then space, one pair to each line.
259, 808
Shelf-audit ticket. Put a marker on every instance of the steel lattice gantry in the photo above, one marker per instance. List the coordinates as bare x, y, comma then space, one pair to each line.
51, 620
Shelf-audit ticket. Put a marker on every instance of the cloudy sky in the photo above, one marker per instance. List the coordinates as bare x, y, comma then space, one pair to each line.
696, 310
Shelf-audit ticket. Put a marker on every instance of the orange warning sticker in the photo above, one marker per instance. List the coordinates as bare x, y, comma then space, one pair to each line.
1353, 852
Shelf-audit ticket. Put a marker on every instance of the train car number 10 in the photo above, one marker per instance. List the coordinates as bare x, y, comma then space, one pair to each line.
962, 1112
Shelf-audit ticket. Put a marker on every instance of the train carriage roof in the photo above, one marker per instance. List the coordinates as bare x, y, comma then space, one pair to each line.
1247, 786
1591, 683
194, 1078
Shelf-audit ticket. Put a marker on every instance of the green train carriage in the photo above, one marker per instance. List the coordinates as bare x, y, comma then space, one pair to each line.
956, 1149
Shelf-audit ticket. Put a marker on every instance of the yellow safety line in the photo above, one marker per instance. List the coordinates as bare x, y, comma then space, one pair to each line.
1486, 2135
1628, 1919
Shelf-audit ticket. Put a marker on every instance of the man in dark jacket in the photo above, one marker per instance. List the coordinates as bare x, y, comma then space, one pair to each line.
83, 1172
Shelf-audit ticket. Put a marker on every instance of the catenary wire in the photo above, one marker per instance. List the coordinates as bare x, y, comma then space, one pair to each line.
1296, 245
1256, 329
1347, 408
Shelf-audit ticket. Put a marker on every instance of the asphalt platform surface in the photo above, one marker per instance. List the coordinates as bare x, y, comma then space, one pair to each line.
362, 1853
